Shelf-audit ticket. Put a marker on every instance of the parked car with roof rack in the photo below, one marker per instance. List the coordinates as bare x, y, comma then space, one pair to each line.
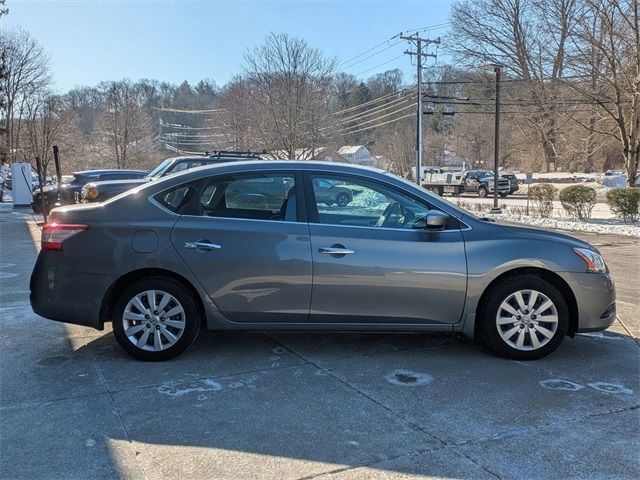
100, 191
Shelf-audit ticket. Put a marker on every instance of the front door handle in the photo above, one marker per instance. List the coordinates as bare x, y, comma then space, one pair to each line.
336, 251
202, 245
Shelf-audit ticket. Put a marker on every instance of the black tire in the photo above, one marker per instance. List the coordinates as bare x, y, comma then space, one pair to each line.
499, 293
342, 199
482, 192
192, 317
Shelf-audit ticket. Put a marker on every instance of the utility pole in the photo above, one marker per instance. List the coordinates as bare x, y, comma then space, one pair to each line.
419, 42
496, 149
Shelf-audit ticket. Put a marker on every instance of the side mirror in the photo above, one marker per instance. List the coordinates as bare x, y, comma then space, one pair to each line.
433, 220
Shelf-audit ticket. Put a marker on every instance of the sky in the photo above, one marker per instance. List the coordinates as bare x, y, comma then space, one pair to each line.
90, 41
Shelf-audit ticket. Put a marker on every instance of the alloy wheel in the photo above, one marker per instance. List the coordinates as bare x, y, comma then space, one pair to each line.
527, 320
153, 320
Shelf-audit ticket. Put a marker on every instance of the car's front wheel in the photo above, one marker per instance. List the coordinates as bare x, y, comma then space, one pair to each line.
155, 319
524, 318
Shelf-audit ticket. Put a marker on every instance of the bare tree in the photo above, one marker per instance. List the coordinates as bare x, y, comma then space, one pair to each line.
529, 38
610, 36
48, 121
290, 82
123, 128
26, 73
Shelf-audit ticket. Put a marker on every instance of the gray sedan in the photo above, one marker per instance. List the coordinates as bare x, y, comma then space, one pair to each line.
252, 246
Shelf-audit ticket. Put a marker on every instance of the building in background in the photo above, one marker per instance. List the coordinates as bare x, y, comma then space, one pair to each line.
357, 154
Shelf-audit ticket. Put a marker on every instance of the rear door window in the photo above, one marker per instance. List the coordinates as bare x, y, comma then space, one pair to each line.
252, 196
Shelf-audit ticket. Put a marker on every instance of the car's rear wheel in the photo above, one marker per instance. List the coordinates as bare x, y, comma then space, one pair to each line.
155, 319
524, 318
482, 192
342, 199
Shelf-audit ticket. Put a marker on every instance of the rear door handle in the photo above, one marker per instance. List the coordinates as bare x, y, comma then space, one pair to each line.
202, 246
335, 251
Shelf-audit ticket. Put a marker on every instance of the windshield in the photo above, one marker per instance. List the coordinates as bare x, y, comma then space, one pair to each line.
159, 170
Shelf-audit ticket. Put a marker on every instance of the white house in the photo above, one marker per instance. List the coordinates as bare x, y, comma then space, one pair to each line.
357, 154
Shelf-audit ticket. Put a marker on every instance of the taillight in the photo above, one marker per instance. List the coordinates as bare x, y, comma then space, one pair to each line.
91, 193
53, 234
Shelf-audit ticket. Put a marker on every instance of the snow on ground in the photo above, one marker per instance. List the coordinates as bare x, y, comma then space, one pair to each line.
594, 226
518, 205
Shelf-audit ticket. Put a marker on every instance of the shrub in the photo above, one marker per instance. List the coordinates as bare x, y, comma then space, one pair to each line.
578, 200
624, 202
542, 196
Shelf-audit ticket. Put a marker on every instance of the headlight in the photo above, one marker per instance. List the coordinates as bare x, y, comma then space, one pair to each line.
593, 260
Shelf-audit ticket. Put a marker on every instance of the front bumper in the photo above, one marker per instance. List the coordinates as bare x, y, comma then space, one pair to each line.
61, 293
595, 296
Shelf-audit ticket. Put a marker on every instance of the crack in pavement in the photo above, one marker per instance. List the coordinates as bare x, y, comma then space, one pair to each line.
119, 416
475, 441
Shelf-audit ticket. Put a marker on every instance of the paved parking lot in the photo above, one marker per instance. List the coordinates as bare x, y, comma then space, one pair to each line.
307, 405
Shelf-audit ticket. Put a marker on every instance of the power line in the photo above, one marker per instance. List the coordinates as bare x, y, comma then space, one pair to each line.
381, 116
377, 125
372, 55
386, 42
507, 80
437, 26
372, 111
380, 65
375, 100
182, 127
194, 111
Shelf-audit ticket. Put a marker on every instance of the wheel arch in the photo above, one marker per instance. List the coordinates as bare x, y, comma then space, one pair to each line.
108, 302
547, 275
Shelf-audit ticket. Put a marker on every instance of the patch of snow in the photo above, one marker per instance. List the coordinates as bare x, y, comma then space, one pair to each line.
614, 181
594, 226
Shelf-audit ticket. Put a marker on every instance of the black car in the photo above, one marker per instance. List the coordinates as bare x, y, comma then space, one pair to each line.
481, 182
99, 191
72, 184
514, 185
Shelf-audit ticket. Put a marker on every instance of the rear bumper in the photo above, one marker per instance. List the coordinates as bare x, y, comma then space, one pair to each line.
61, 293
595, 296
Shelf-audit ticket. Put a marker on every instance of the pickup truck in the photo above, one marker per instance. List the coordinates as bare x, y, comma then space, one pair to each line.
479, 182
101, 191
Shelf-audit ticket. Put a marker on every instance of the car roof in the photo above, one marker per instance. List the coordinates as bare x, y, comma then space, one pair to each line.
107, 170
197, 173
286, 165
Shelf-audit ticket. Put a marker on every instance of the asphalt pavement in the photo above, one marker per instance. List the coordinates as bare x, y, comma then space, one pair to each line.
312, 405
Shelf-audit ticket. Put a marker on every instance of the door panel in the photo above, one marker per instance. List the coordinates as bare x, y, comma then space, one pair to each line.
389, 271
248, 248
260, 273
393, 275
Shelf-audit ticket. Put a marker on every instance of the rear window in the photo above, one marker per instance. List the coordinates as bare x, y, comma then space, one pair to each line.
176, 199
